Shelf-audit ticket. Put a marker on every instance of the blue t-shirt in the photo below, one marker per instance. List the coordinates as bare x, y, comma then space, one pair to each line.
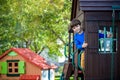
79, 40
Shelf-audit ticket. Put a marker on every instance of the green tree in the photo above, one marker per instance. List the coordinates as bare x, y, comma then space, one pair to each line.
34, 24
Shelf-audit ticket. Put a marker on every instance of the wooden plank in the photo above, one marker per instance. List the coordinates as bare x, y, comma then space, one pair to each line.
74, 8
118, 52
98, 67
98, 3
89, 8
100, 15
88, 5
91, 35
92, 67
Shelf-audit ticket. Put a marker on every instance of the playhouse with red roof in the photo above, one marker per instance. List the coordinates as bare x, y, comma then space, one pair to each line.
24, 64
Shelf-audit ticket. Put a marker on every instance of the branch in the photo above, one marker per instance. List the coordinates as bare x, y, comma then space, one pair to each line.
56, 35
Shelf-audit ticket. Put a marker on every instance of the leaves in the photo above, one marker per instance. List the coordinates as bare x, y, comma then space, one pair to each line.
34, 24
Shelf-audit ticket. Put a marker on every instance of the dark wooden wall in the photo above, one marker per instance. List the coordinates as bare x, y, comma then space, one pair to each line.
118, 55
97, 13
98, 66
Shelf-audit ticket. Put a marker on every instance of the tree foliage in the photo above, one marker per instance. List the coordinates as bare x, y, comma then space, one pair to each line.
34, 24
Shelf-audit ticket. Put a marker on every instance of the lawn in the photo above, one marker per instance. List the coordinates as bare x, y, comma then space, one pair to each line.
58, 78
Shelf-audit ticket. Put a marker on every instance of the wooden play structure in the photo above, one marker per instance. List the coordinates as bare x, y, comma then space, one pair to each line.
24, 64
102, 56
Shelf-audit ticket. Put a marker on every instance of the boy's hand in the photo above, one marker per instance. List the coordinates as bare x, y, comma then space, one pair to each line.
84, 45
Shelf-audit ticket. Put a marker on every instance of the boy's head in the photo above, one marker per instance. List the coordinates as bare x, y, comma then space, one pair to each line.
76, 25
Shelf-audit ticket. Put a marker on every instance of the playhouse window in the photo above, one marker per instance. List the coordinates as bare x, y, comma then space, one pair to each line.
16, 70
107, 39
10, 64
10, 70
16, 64
13, 67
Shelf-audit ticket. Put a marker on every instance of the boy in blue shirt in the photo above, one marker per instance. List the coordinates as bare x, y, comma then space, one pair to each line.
79, 38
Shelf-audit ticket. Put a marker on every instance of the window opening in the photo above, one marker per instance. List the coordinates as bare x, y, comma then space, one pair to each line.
107, 43
12, 67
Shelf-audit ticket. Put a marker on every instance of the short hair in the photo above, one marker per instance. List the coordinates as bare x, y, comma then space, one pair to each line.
75, 22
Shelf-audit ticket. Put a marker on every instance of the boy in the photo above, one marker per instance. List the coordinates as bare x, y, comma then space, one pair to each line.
79, 38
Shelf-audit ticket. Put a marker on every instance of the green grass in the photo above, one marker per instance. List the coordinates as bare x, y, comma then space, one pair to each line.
58, 78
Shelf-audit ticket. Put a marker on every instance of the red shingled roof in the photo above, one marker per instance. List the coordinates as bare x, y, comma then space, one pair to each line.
30, 56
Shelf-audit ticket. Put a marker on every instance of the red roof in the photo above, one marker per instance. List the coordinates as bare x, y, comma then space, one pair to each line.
30, 77
31, 57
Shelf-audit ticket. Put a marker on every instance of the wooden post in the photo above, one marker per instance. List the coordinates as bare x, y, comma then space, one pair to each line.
76, 66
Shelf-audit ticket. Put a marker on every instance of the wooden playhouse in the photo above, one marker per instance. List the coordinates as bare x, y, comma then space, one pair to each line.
24, 64
102, 56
